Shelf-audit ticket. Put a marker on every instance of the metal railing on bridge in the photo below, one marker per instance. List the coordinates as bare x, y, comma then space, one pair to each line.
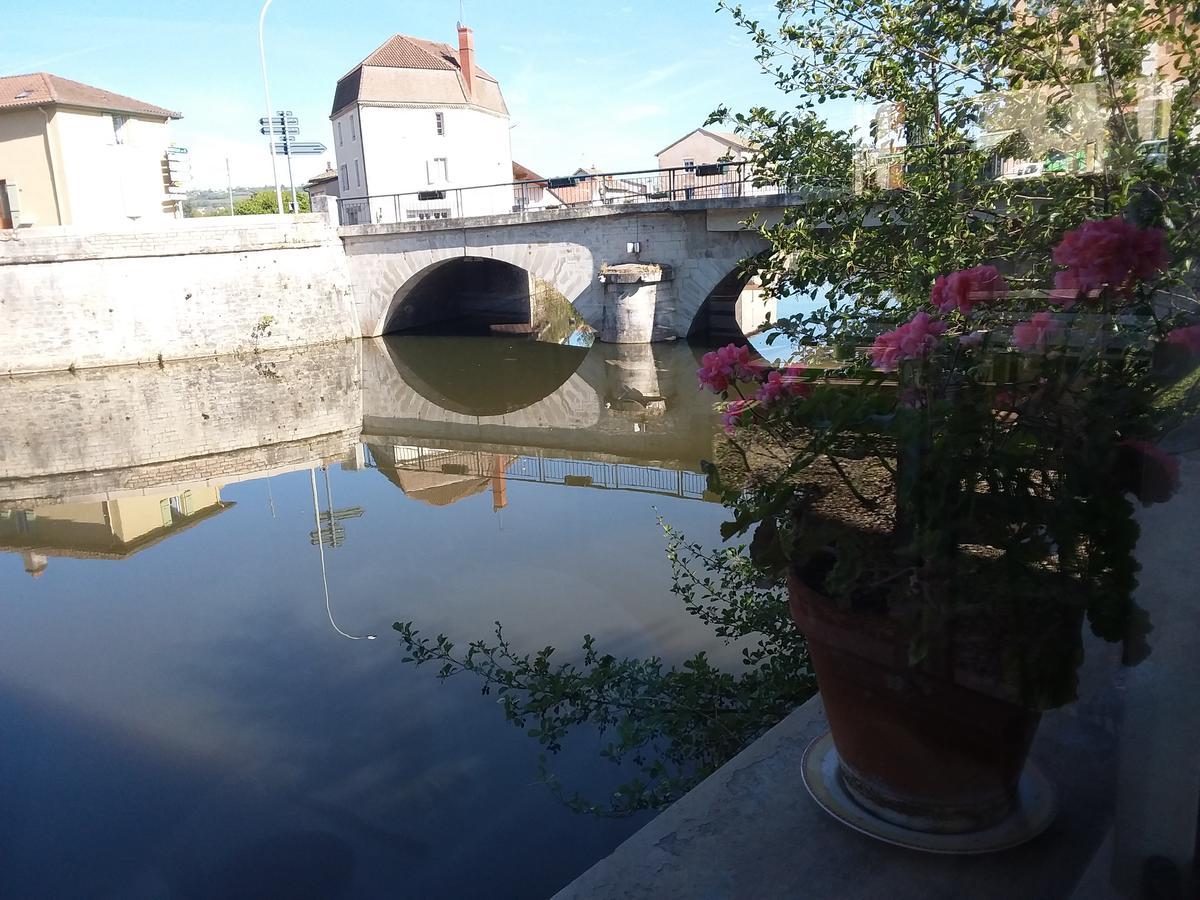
583, 189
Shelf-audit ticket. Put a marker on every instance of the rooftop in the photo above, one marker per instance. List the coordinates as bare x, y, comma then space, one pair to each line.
46, 89
735, 141
410, 71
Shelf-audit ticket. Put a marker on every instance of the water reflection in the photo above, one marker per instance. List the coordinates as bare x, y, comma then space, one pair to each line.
182, 662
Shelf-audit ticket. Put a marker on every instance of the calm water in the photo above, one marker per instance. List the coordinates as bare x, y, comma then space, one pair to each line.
186, 711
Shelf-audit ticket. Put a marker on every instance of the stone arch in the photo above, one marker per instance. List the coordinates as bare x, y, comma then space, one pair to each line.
708, 308
562, 269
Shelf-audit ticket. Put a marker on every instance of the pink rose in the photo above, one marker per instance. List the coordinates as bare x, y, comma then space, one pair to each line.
734, 414
1108, 253
1032, 335
720, 368
782, 386
1187, 337
962, 290
912, 340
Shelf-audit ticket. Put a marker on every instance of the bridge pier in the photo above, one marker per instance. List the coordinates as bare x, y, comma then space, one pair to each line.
639, 303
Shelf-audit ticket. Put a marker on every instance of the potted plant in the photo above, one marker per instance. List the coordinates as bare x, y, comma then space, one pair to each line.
945, 534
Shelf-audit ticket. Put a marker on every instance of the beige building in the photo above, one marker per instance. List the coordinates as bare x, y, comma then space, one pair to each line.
704, 148
73, 154
103, 529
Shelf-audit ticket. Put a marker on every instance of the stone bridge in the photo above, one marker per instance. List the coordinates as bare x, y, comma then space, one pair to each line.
663, 264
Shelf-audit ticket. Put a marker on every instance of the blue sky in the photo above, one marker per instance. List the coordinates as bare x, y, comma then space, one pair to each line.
587, 83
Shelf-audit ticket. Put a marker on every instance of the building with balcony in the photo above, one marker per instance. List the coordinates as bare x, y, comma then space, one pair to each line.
74, 154
412, 123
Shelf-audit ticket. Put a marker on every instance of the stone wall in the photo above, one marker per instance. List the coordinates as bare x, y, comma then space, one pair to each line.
99, 431
198, 288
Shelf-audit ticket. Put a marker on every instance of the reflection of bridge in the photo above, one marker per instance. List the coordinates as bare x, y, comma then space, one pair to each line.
442, 417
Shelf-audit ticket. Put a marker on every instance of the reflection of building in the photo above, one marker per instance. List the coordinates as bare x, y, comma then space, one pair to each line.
441, 477
103, 529
73, 154
420, 118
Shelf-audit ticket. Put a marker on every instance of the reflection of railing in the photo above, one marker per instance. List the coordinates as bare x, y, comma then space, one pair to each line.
701, 182
552, 470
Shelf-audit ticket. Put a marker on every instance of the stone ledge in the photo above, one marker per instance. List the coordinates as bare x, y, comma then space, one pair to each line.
571, 213
751, 830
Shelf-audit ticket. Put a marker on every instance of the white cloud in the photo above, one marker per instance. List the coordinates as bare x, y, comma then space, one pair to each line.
638, 112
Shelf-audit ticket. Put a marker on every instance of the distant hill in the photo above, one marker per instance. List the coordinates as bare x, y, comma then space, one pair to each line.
216, 202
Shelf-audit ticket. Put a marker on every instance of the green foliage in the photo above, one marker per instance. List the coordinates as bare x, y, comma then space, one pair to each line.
264, 203
672, 724
978, 484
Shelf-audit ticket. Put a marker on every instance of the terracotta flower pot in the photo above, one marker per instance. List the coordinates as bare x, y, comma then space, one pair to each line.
929, 751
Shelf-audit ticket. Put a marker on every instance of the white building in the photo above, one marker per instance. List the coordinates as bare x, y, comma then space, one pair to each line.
412, 123
74, 154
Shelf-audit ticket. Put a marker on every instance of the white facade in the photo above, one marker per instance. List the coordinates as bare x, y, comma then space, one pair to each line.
113, 167
414, 125
387, 151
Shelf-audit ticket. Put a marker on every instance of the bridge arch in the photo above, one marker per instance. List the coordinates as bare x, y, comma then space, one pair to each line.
715, 305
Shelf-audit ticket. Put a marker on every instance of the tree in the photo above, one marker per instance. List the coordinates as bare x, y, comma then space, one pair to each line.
263, 203
1068, 73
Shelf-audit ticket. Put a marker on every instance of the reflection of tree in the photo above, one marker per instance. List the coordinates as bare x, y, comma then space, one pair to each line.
673, 725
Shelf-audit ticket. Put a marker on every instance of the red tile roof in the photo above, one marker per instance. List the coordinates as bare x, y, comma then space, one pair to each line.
45, 89
403, 52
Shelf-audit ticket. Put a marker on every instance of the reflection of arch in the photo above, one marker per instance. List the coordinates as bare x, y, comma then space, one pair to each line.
468, 293
483, 376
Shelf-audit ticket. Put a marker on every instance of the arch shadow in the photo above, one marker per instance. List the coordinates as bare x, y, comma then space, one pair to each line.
463, 295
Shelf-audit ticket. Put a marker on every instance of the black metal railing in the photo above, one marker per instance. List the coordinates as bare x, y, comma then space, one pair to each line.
583, 189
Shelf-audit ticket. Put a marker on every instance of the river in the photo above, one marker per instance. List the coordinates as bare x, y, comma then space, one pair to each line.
191, 704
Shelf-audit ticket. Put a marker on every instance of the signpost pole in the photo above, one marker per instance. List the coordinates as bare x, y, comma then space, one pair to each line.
287, 151
229, 182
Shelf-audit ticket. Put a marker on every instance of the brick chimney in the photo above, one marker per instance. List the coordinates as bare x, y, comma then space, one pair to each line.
466, 58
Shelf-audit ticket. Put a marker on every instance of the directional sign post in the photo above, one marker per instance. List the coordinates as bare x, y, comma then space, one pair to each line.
283, 129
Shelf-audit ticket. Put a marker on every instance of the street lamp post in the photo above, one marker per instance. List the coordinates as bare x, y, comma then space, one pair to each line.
262, 57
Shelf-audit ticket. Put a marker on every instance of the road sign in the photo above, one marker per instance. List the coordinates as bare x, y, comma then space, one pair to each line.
276, 129
298, 148
289, 119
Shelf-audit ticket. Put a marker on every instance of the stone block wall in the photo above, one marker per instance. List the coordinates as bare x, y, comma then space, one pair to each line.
98, 431
72, 299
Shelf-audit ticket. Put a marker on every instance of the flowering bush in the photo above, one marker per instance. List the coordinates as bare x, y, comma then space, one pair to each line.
984, 445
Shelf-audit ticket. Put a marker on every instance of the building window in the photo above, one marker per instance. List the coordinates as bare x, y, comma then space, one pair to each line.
343, 179
689, 164
357, 175
424, 215
339, 131
440, 119
353, 133
118, 123
436, 170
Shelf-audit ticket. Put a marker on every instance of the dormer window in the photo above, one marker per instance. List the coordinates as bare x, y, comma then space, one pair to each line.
440, 122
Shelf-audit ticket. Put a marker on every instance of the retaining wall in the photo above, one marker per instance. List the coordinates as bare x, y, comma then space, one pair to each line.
71, 298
